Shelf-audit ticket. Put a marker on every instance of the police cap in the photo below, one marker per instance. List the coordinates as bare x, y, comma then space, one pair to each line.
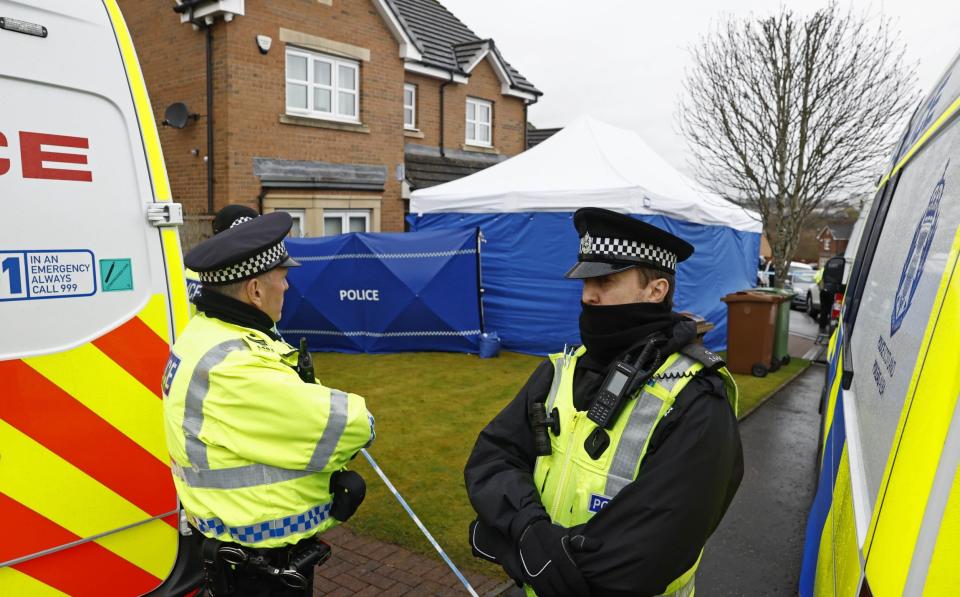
231, 215
612, 242
246, 250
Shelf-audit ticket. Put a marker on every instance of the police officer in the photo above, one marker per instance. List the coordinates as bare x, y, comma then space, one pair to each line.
616, 461
225, 219
258, 447
827, 292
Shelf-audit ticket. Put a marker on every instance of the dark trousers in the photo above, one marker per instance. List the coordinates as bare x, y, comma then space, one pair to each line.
826, 307
249, 585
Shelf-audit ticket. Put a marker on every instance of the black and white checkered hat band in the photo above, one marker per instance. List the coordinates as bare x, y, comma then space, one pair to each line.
248, 268
240, 220
599, 248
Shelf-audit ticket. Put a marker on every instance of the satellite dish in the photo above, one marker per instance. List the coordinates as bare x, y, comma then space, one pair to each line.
177, 115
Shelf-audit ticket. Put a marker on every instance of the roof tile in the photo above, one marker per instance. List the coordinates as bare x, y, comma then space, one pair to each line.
445, 41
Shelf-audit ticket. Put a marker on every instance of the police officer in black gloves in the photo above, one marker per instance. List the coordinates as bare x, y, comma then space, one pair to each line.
616, 461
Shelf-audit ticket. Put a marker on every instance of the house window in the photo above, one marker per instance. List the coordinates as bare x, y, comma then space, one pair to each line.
410, 107
479, 122
322, 86
299, 222
826, 244
345, 220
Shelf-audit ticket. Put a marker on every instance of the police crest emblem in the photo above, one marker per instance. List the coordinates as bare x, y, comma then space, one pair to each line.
586, 244
917, 256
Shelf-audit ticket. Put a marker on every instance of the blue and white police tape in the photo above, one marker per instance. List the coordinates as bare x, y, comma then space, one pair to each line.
419, 524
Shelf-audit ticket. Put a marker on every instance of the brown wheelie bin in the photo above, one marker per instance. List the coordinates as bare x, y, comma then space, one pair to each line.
751, 325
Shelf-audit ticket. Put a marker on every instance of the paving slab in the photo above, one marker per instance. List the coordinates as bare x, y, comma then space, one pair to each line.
363, 566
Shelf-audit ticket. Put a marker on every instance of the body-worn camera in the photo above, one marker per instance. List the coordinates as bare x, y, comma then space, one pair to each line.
305, 363
540, 421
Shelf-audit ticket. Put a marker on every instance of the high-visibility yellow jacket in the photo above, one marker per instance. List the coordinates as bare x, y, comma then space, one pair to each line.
253, 446
194, 287
573, 486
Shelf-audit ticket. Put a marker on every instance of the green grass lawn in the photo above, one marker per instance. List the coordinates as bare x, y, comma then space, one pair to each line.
430, 407
754, 390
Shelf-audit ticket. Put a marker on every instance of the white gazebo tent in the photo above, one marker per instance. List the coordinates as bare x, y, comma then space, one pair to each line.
587, 163
523, 206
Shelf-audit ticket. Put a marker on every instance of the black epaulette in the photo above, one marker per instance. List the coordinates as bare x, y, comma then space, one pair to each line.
709, 360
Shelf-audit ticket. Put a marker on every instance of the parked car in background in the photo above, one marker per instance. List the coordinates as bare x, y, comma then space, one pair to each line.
807, 297
765, 275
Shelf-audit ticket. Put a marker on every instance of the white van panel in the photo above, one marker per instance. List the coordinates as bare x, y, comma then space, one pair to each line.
934, 104
77, 256
898, 297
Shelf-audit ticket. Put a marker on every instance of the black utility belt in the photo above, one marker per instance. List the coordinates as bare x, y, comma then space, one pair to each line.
291, 565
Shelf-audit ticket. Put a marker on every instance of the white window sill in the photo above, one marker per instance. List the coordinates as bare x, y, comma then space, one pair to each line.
415, 133
480, 148
324, 123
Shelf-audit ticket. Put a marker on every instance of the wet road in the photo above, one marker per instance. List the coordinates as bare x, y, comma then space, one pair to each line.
758, 547
802, 325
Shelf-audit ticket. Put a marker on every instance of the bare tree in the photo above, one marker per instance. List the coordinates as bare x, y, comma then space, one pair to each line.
788, 114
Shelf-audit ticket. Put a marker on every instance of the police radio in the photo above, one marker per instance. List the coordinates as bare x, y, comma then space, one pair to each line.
623, 380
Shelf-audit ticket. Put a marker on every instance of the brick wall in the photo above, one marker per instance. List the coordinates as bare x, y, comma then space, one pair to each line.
508, 119
174, 65
256, 92
249, 99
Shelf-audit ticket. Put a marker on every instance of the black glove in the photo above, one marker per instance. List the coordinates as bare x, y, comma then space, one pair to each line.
546, 555
489, 544
348, 490
483, 542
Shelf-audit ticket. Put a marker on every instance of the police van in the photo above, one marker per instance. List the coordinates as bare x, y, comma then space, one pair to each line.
886, 516
92, 295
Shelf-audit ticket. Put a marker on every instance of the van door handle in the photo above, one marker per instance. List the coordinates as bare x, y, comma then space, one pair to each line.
165, 214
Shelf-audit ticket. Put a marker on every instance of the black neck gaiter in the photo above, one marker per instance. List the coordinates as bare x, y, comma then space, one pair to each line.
229, 309
607, 331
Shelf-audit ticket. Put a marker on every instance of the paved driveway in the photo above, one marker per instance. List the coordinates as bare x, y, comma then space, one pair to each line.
757, 549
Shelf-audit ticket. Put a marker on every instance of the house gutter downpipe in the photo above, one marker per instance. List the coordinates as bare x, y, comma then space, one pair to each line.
188, 6
443, 153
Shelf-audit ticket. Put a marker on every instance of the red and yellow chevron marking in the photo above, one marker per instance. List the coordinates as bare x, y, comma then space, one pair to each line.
70, 571
84, 454
82, 433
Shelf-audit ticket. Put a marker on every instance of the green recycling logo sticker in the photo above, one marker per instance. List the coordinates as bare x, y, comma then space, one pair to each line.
116, 274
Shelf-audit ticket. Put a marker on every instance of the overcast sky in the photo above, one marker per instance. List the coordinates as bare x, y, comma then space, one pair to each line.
623, 61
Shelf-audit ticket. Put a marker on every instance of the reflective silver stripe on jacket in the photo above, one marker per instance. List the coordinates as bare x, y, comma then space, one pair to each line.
196, 393
336, 423
684, 591
558, 365
201, 476
237, 477
642, 420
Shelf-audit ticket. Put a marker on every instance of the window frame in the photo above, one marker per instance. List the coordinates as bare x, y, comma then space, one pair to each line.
412, 126
336, 63
299, 216
345, 215
477, 123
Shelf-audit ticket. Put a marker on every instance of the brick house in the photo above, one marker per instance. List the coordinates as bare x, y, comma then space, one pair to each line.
833, 239
330, 109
